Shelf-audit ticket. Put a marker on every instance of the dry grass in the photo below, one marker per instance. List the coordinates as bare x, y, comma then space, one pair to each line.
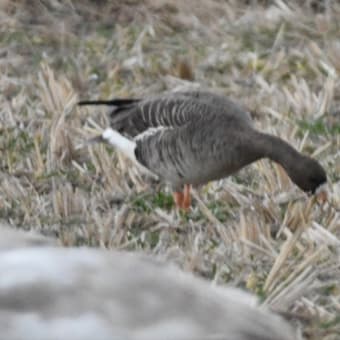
255, 229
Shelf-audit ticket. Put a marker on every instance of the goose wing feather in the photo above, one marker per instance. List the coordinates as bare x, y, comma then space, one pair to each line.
169, 111
172, 109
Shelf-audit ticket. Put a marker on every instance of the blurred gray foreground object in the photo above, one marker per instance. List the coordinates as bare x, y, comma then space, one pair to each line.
47, 292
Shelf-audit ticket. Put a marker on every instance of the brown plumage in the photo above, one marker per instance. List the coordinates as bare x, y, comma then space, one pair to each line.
190, 138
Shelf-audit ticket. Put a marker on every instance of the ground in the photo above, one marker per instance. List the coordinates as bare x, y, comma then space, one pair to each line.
254, 230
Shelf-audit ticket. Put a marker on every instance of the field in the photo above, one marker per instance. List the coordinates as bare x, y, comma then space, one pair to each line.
254, 230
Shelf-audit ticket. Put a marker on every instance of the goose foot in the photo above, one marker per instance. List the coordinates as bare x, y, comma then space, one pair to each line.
183, 199
186, 197
178, 199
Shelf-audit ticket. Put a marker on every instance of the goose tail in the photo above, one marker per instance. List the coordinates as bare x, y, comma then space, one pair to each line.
121, 143
112, 102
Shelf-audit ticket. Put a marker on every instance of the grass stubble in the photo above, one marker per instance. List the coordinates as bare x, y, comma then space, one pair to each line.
254, 230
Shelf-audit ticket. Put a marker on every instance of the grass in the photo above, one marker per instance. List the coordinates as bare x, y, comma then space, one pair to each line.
254, 230
318, 127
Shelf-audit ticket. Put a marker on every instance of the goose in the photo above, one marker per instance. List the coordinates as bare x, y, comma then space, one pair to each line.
193, 137
53, 293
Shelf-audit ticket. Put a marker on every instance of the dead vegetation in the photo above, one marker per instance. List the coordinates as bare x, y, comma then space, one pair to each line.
255, 229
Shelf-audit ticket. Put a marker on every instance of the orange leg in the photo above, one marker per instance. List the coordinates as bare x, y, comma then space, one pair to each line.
186, 197
178, 198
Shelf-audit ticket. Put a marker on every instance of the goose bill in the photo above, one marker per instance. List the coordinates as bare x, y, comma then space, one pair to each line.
321, 194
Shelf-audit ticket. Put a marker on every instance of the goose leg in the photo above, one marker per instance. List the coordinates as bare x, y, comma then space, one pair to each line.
178, 199
186, 197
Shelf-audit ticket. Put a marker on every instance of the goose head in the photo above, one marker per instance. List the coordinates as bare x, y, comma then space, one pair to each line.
308, 174
304, 171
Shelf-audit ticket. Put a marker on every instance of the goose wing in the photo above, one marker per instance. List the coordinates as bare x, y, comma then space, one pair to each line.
168, 111
134, 116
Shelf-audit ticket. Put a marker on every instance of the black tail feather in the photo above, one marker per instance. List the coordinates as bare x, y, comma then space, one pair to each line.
113, 102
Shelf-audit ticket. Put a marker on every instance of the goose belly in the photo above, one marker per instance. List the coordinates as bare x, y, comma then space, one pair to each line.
207, 172
197, 172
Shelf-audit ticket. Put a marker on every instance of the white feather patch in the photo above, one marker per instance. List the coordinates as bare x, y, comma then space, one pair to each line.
123, 144
151, 131
127, 147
